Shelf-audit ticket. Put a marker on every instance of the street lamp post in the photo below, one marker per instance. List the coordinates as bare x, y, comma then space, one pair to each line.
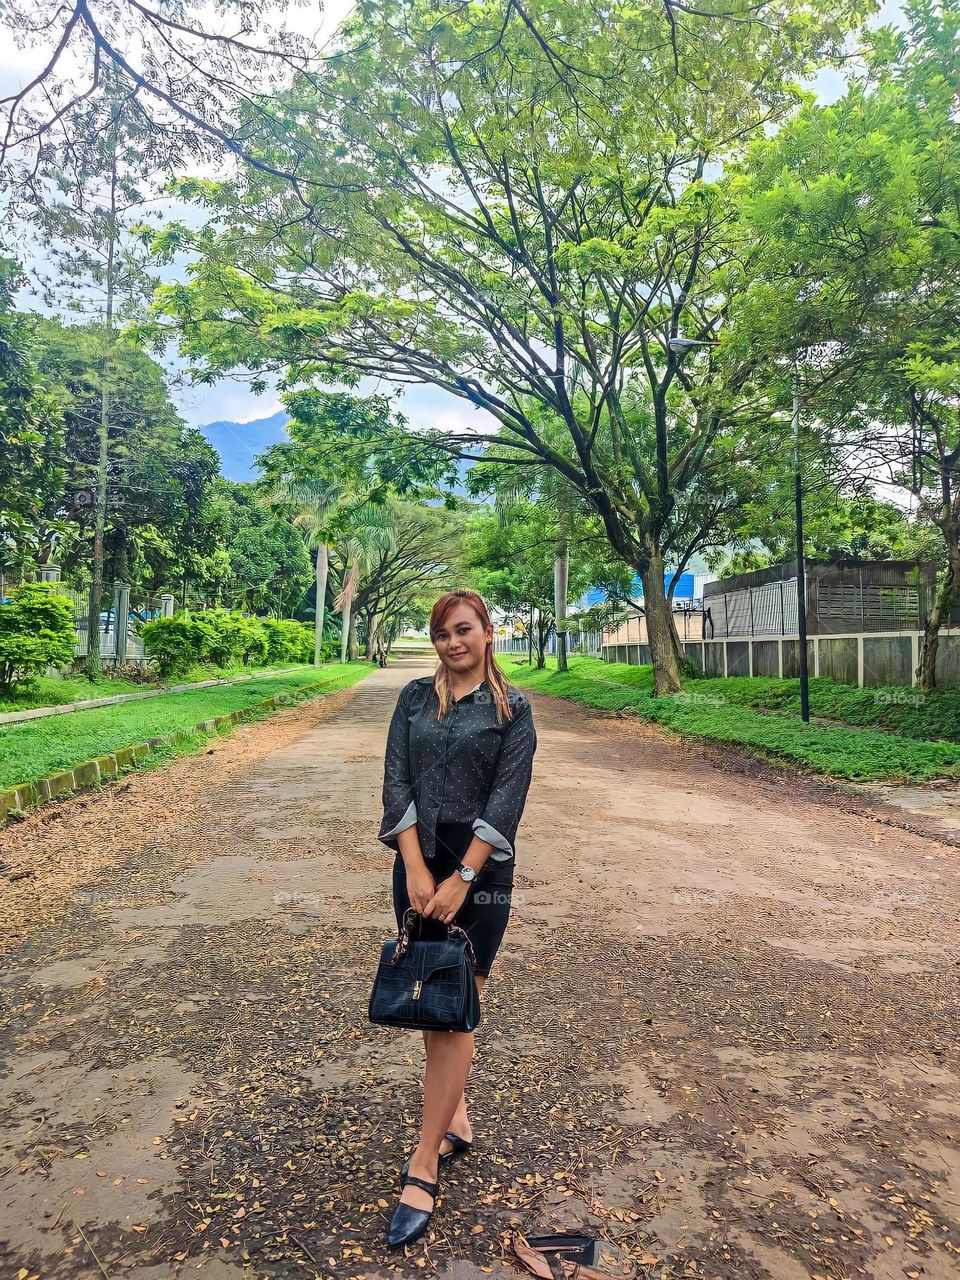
801, 569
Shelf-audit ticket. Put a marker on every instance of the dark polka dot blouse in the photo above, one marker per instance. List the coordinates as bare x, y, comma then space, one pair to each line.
464, 768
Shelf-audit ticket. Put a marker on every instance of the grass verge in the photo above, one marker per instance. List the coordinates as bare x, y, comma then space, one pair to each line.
721, 711
910, 712
57, 691
35, 748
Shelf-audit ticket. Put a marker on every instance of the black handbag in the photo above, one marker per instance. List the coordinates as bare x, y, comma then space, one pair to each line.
426, 984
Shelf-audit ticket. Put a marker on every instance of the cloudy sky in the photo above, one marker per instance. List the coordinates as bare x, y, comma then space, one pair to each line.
232, 400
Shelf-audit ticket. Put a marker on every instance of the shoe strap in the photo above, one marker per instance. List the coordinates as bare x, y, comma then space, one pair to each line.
421, 1182
455, 1139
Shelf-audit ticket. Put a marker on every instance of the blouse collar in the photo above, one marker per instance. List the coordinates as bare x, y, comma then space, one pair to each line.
471, 692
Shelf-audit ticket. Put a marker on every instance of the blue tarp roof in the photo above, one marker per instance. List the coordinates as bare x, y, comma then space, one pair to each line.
684, 590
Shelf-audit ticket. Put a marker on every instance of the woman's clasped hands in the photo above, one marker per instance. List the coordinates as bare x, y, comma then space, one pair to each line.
438, 901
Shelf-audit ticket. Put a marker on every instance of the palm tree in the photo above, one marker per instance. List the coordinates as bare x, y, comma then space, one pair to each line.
334, 517
318, 505
372, 534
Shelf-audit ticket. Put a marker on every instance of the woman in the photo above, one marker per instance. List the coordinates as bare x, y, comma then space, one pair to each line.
458, 764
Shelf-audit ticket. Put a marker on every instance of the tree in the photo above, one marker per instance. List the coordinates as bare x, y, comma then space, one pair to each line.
420, 566
270, 567
197, 73
31, 433
538, 500
158, 471
345, 457
79, 202
858, 208
839, 527
511, 203
511, 554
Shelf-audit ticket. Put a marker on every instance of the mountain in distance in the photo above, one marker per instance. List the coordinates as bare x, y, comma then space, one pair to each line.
238, 443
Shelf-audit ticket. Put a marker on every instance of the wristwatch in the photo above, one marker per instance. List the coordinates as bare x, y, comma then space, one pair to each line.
466, 873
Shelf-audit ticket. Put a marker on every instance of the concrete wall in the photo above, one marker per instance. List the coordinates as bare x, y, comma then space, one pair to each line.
864, 660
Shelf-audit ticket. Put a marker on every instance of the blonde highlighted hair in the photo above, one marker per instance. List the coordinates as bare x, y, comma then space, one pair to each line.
492, 673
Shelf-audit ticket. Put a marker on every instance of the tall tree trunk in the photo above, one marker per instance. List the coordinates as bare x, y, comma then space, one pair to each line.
543, 626
948, 591
661, 632
530, 638
121, 552
93, 664
323, 566
561, 567
353, 644
373, 634
344, 631
561, 575
345, 615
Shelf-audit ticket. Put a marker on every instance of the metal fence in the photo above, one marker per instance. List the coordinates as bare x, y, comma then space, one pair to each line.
122, 613
586, 643
841, 598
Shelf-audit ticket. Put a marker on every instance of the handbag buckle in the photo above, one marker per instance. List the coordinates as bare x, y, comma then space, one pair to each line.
416, 989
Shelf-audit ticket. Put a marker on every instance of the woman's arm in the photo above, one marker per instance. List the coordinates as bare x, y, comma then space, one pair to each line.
501, 814
399, 807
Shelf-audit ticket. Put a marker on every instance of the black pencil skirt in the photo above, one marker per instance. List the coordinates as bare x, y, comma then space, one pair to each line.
486, 908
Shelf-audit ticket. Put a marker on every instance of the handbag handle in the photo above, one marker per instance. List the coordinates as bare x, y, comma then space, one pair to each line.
403, 938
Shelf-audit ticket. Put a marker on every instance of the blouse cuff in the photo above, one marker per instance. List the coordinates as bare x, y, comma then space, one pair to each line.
408, 819
502, 848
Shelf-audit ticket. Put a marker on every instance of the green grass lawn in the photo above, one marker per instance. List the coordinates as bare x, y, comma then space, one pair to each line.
898, 741
55, 691
34, 748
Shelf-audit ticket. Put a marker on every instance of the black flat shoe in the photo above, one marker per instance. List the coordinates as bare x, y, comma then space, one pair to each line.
460, 1145
407, 1222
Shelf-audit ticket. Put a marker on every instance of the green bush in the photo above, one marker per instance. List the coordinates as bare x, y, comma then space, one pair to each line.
288, 641
36, 632
251, 639
221, 638
174, 643
217, 639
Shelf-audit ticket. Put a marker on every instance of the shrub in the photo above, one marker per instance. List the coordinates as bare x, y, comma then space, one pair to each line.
135, 672
217, 639
288, 641
222, 638
36, 632
252, 642
175, 643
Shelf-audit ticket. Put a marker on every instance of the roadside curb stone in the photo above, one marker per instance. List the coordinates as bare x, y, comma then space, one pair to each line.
90, 773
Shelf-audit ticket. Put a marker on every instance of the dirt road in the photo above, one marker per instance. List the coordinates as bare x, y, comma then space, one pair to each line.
722, 1029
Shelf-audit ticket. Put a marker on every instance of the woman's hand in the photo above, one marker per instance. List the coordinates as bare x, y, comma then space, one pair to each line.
448, 899
421, 887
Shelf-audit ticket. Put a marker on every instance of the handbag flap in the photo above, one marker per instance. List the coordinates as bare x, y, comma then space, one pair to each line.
423, 959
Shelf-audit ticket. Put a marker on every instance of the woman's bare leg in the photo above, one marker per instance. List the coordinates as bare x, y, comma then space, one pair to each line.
459, 1122
449, 1059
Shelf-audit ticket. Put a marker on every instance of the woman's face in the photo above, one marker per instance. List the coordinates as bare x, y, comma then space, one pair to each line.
461, 641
